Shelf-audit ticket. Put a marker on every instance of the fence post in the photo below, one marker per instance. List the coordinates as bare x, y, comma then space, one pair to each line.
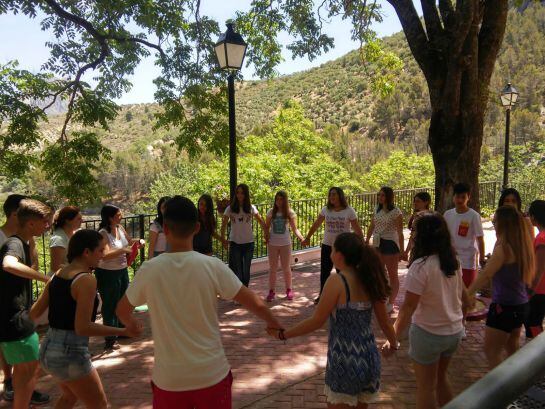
141, 235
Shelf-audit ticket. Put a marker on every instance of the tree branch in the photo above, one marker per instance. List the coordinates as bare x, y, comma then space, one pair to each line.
491, 36
434, 29
447, 12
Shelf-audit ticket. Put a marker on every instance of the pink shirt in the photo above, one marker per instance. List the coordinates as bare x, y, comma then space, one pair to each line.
440, 308
540, 241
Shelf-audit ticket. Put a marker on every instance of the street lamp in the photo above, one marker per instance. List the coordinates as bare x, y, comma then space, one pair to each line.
508, 97
230, 51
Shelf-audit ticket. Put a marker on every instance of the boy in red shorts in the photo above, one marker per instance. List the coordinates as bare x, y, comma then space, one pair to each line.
181, 288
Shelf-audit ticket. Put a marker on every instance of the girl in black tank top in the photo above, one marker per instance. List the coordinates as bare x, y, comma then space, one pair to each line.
71, 296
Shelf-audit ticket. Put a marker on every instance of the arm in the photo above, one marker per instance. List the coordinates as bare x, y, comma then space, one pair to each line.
384, 322
34, 254
492, 266
152, 240
480, 244
540, 265
256, 306
406, 312
295, 230
124, 312
58, 257
370, 231
12, 265
313, 229
224, 221
39, 307
466, 301
130, 239
328, 300
356, 227
401, 238
261, 222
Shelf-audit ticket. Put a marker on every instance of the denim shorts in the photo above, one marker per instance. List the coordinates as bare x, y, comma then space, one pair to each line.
65, 355
426, 348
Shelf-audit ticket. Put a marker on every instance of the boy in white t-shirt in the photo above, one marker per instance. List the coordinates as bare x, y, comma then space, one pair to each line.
466, 230
181, 288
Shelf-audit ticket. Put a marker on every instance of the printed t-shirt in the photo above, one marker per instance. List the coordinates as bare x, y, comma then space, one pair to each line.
439, 310
161, 242
280, 231
336, 223
241, 225
538, 242
15, 294
181, 291
464, 229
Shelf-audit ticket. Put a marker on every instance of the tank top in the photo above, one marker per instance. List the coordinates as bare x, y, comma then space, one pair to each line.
62, 306
119, 262
508, 288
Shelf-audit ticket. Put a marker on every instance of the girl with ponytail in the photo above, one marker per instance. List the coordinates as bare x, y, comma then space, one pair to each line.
349, 299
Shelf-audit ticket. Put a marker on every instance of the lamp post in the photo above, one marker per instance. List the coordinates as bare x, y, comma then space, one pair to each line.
508, 97
230, 51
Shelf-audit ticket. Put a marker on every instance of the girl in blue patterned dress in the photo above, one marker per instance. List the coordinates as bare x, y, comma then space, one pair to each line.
353, 361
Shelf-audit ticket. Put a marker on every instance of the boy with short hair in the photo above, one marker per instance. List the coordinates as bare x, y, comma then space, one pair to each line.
8, 229
534, 322
18, 340
181, 289
466, 230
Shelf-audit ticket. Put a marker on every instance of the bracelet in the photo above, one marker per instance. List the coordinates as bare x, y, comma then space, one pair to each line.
281, 335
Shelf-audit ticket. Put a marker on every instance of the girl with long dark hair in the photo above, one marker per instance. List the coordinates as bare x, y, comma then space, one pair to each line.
387, 230
339, 218
349, 299
421, 206
511, 197
434, 307
112, 273
240, 214
157, 240
202, 241
71, 297
278, 222
511, 269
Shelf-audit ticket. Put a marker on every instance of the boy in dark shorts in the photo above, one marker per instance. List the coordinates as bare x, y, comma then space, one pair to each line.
18, 340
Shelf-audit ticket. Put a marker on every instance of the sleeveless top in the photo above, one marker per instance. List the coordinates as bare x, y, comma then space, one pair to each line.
202, 241
508, 288
353, 360
119, 262
62, 306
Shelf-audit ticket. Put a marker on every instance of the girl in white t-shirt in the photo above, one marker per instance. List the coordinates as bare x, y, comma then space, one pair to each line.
434, 307
157, 239
67, 222
240, 214
339, 218
278, 222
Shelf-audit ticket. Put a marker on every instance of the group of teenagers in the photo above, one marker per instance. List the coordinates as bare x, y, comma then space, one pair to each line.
181, 283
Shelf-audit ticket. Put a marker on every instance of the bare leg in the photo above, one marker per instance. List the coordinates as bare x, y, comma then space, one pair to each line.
273, 266
495, 341
89, 390
444, 390
285, 261
426, 381
391, 262
512, 344
67, 400
24, 380
6, 368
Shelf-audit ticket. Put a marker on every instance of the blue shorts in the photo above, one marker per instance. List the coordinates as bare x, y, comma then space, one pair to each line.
65, 355
426, 348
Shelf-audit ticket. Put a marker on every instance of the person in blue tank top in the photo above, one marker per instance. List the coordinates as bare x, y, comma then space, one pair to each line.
349, 298
511, 269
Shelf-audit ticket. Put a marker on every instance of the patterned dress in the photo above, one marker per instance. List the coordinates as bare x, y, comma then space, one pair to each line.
353, 361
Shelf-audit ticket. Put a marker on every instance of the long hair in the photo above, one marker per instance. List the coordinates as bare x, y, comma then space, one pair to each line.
106, 213
433, 237
426, 198
246, 204
285, 210
64, 215
366, 263
82, 240
388, 197
209, 219
159, 217
512, 231
510, 191
342, 197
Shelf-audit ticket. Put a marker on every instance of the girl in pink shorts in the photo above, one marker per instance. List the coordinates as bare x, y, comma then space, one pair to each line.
278, 222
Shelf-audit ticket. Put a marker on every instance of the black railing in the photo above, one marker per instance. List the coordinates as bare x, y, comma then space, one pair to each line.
307, 211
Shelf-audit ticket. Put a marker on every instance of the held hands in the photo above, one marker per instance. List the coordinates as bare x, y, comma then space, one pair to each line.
305, 242
135, 329
276, 333
387, 349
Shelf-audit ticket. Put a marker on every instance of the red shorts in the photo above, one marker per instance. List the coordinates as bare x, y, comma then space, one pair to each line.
468, 275
217, 396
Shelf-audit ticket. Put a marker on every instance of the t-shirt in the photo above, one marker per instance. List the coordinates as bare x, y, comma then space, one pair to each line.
464, 229
280, 230
15, 294
336, 223
538, 242
3, 237
59, 239
241, 225
161, 242
119, 262
386, 226
440, 308
181, 291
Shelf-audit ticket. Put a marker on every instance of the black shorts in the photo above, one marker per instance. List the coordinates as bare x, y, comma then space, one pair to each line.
388, 247
507, 317
534, 322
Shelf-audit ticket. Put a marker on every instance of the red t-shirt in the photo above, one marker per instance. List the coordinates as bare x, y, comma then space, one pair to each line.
540, 241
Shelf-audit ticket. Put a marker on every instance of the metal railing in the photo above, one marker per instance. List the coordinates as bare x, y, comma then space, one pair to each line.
505, 383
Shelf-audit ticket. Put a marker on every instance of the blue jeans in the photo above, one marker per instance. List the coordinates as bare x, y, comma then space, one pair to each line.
240, 260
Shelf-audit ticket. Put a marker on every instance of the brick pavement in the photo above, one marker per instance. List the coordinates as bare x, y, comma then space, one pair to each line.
267, 373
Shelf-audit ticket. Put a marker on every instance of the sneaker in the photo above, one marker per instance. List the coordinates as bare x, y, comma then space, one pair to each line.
289, 294
39, 398
271, 296
8, 390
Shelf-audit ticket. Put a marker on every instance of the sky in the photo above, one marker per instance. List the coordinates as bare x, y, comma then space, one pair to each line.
30, 50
